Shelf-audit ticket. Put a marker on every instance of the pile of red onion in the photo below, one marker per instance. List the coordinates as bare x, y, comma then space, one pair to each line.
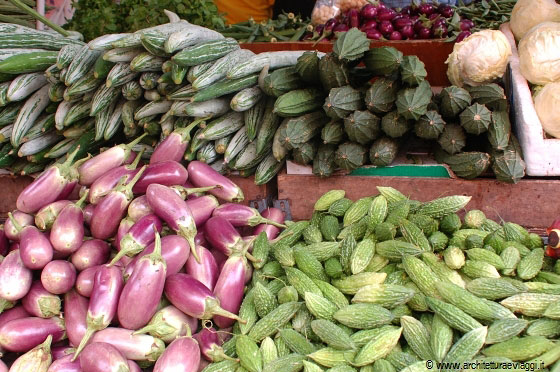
379, 22
110, 265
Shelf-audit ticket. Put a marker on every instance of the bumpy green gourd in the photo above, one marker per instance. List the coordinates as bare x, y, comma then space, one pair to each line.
323, 163
362, 127
351, 45
307, 67
383, 61
413, 71
412, 103
476, 119
453, 100
282, 81
508, 166
499, 131
383, 151
453, 138
491, 95
332, 73
394, 125
305, 153
333, 133
342, 101
301, 129
468, 165
429, 126
350, 156
382, 94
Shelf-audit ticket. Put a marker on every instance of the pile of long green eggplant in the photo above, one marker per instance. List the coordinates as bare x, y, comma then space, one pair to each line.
237, 110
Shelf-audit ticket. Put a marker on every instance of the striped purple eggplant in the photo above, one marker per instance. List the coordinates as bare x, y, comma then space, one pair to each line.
14, 313
272, 214
100, 164
22, 335
224, 237
35, 248
174, 211
70, 191
111, 209
102, 357
210, 342
40, 302
38, 359
102, 308
133, 347
12, 231
139, 208
194, 298
185, 192
61, 351
168, 324
229, 287
146, 283
16, 278
200, 239
140, 235
202, 175
84, 281
202, 208
67, 232
92, 252
168, 173
205, 271
219, 257
182, 355
65, 364
241, 215
133, 366
58, 276
174, 250
104, 184
75, 315
47, 188
124, 227
46, 215
173, 147
88, 213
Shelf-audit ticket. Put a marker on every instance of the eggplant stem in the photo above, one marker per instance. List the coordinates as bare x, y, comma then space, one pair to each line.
226, 314
14, 222
82, 200
87, 336
71, 157
252, 258
266, 221
134, 164
146, 329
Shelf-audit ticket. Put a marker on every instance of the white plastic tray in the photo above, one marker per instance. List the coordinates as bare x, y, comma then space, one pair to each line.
541, 154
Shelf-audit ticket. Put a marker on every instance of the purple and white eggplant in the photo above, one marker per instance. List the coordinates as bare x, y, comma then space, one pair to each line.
146, 282
75, 316
229, 287
210, 342
182, 355
84, 281
139, 208
174, 211
174, 250
104, 184
194, 298
224, 237
14, 313
133, 347
202, 175
36, 250
168, 173
4, 244
168, 324
40, 302
202, 208
173, 147
140, 235
272, 214
37, 360
92, 252
102, 357
62, 351
67, 231
241, 215
48, 187
12, 231
88, 213
16, 278
133, 366
58, 276
112, 208
107, 288
22, 335
65, 364
46, 215
100, 164
124, 227
205, 271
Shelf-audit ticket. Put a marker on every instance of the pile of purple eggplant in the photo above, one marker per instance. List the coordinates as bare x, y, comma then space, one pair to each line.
111, 265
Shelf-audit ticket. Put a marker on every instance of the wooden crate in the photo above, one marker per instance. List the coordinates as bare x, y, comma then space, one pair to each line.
527, 203
433, 53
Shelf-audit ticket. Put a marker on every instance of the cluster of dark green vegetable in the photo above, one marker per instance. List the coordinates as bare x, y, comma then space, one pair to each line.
350, 121
486, 14
287, 27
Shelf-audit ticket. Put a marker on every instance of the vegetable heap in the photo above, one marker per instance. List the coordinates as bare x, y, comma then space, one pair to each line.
122, 275
13, 14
